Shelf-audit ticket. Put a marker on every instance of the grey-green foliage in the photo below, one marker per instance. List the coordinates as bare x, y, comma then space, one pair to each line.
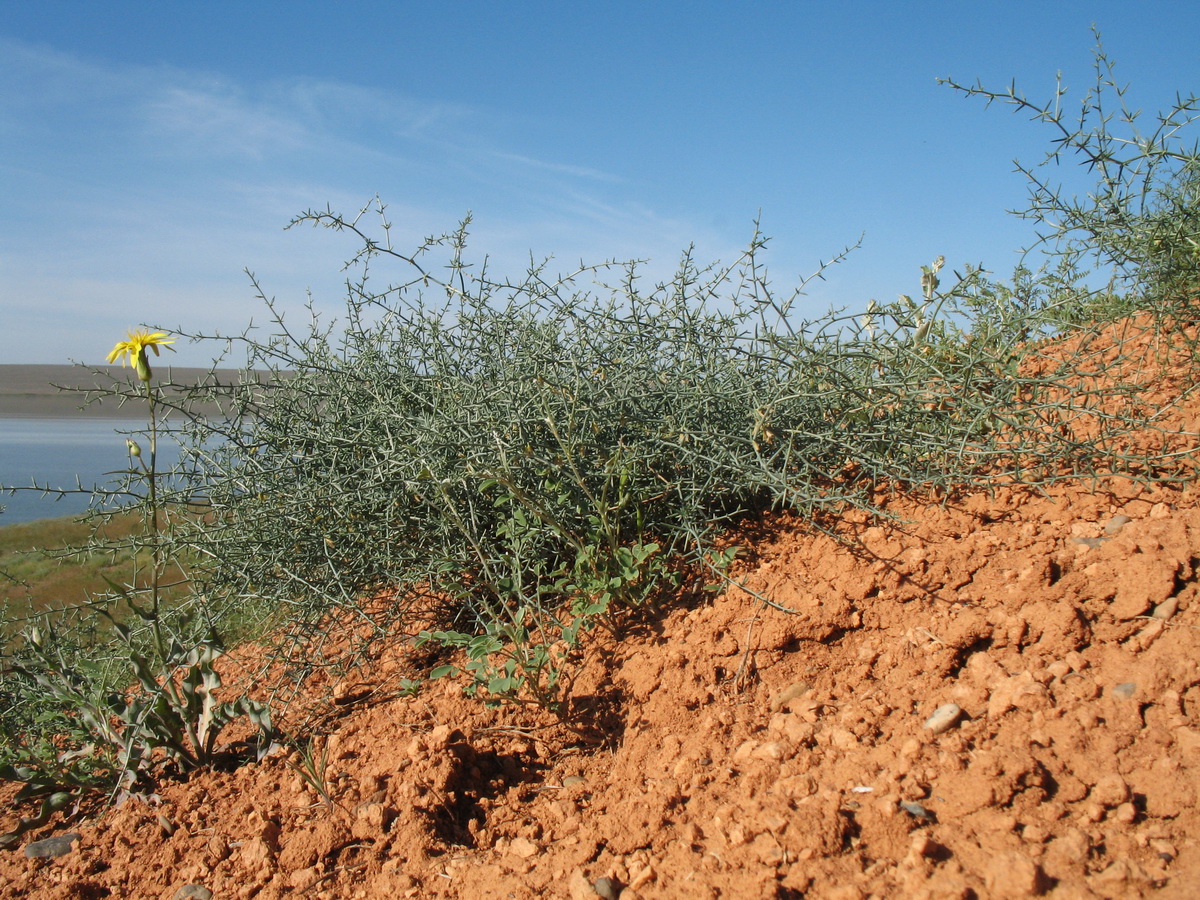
174, 707
47, 744
73, 720
500, 442
1140, 221
521, 460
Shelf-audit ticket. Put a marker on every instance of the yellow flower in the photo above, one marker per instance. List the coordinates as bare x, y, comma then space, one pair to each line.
133, 350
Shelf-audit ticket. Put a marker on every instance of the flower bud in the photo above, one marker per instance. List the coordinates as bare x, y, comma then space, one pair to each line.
142, 364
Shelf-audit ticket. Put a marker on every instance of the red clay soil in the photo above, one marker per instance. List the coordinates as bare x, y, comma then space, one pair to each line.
752, 753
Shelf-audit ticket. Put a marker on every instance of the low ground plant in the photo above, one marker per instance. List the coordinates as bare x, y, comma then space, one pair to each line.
90, 728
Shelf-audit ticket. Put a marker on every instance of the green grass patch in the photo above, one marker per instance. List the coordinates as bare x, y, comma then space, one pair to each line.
49, 567
57, 564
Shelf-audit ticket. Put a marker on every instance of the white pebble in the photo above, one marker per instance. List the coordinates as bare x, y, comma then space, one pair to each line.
943, 717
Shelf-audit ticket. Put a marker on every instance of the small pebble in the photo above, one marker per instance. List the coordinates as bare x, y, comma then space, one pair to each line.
1014, 875
640, 878
916, 810
1125, 690
522, 847
608, 888
1166, 851
193, 892
572, 780
1110, 791
1092, 813
920, 846
1116, 523
1166, 609
770, 750
943, 717
788, 694
1126, 814
51, 847
1035, 833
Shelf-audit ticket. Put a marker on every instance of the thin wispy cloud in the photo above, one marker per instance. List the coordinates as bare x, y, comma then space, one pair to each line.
37, 75
203, 122
192, 177
337, 105
560, 168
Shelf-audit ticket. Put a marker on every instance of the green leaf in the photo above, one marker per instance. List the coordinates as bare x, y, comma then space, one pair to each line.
502, 686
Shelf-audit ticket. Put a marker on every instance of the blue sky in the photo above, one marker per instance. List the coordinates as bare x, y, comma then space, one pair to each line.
151, 151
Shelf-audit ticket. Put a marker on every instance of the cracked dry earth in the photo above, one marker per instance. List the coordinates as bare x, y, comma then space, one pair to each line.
753, 754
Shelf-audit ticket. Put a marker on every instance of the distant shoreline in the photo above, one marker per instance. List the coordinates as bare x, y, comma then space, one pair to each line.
29, 392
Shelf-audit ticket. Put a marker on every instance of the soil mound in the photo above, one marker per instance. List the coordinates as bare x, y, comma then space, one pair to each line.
992, 695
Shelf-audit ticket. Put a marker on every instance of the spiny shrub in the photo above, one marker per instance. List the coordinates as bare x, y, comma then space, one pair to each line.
521, 461
1139, 223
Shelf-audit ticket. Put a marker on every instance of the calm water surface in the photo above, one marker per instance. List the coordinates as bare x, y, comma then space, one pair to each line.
56, 452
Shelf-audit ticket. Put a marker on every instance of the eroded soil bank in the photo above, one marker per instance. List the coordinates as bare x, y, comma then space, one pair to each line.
751, 753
